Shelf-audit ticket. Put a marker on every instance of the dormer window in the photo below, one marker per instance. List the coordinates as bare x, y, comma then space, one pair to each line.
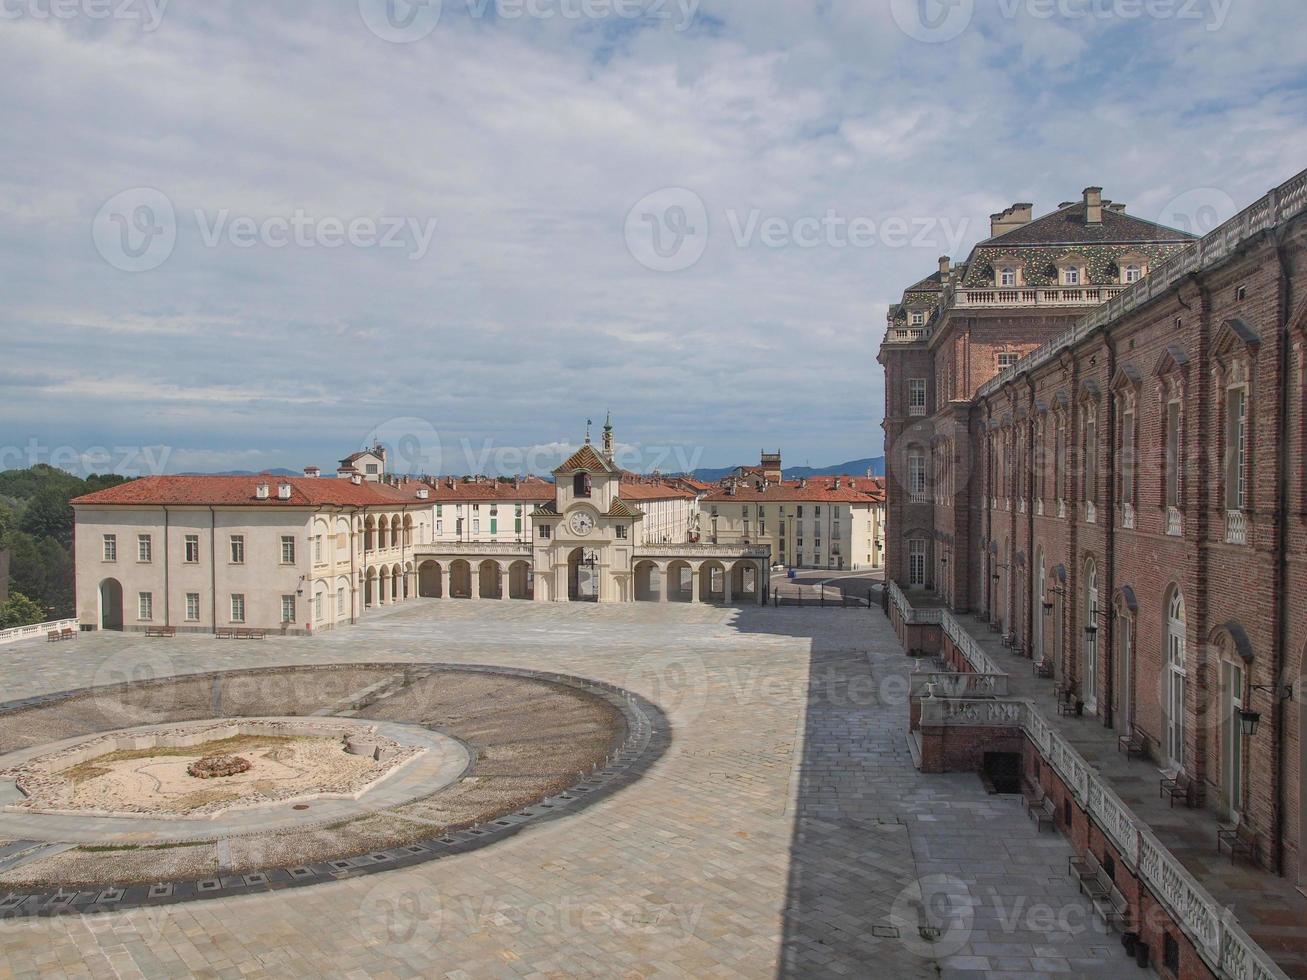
1007, 276
1133, 266
1071, 276
1132, 273
1008, 271
918, 318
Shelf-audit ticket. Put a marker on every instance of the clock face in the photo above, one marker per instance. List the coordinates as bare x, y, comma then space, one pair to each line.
581, 524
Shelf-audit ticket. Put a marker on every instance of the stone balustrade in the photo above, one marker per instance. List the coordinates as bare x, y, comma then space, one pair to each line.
36, 629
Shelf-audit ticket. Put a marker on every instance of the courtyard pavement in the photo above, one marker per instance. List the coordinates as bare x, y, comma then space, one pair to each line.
784, 832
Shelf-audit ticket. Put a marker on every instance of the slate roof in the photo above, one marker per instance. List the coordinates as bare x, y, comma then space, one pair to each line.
1067, 226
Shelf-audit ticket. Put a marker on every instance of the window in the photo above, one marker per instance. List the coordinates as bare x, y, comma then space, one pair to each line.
621, 532
1071, 276
237, 608
1127, 491
1173, 450
918, 318
317, 608
476, 525
1059, 461
440, 526
916, 562
917, 396
144, 548
494, 525
1133, 273
517, 525
581, 485
192, 607
145, 605
371, 469
340, 601
439, 510
1007, 360
287, 549
1091, 455
1007, 276
288, 609
317, 549
916, 472
110, 552
192, 549
546, 532
1236, 449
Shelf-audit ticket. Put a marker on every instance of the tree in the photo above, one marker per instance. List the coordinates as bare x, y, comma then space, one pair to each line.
48, 515
6, 524
20, 611
42, 569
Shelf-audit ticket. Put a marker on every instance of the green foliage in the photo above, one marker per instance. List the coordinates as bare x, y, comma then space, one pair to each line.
20, 611
36, 526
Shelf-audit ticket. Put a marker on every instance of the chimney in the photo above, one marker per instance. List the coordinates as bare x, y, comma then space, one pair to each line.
1017, 216
261, 491
423, 493
1116, 206
1093, 205
356, 479
945, 264
345, 472
283, 491
837, 483
312, 472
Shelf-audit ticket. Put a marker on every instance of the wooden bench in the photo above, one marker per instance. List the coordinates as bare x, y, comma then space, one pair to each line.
239, 633
1042, 668
1108, 901
54, 636
244, 634
161, 631
68, 633
1177, 787
1134, 745
223, 633
1042, 812
1240, 840
1066, 701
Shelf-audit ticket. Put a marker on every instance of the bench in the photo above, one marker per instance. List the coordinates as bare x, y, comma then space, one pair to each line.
244, 634
223, 633
1177, 787
1042, 812
161, 631
1042, 668
1009, 640
54, 636
1134, 745
239, 633
1066, 701
1240, 840
1095, 883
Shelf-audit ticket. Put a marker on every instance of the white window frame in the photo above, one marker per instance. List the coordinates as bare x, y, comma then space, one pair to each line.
237, 549
1007, 277
145, 606
192, 607
288, 603
109, 547
144, 548
916, 562
237, 607
191, 549
916, 396
288, 549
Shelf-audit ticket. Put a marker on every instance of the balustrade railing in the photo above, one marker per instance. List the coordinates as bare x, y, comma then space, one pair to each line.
17, 633
1236, 527
1174, 523
1220, 940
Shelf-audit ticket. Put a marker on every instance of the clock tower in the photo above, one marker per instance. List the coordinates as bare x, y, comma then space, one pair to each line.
584, 538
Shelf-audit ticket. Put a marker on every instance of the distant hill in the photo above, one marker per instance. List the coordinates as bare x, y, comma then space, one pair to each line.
854, 467
280, 471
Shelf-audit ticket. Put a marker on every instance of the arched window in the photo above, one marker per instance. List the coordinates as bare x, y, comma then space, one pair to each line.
1175, 679
581, 485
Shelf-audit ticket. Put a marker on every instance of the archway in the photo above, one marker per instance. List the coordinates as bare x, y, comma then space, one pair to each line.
369, 535
370, 589
745, 581
429, 584
460, 580
647, 582
111, 605
582, 576
488, 580
519, 580
383, 590
398, 587
712, 582
678, 581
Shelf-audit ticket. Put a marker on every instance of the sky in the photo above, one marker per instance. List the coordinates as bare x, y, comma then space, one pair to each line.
238, 235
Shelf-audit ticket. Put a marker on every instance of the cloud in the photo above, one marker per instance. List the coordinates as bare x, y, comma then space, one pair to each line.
528, 142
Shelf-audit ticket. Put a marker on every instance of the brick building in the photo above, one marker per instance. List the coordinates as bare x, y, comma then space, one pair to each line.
1096, 432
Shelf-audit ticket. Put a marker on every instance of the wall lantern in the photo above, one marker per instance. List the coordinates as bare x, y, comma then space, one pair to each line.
1249, 722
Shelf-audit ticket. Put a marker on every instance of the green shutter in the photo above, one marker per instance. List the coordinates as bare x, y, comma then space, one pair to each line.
494, 525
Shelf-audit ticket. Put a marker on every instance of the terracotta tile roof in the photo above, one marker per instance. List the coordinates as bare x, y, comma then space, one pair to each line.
652, 491
586, 458
786, 492
529, 491
693, 483
240, 490
620, 508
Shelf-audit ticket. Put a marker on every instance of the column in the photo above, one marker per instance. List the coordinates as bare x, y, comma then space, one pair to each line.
664, 582
474, 577
446, 580
727, 573
694, 583
504, 580
760, 584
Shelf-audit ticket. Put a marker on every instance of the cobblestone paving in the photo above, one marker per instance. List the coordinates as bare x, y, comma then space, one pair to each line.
784, 832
